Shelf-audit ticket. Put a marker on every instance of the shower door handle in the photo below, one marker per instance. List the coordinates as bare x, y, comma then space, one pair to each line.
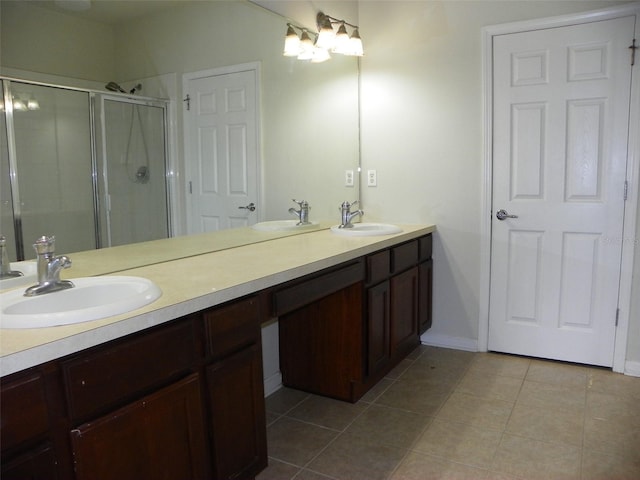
251, 207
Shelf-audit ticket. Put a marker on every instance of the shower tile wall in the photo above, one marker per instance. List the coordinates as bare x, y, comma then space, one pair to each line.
135, 173
53, 147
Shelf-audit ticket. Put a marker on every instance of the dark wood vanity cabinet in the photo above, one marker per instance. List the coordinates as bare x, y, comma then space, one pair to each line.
185, 400
182, 400
343, 329
28, 450
393, 300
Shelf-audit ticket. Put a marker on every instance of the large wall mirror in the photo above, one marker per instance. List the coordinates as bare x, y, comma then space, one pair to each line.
308, 131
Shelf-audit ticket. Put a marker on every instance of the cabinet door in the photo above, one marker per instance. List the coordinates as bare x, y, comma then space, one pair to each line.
236, 404
425, 293
404, 312
160, 436
379, 346
38, 464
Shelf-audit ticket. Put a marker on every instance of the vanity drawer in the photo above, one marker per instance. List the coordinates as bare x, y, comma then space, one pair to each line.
316, 287
426, 247
116, 372
378, 266
232, 326
24, 409
404, 256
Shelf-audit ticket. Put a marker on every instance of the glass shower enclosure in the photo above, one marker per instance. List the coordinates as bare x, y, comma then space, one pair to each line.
85, 166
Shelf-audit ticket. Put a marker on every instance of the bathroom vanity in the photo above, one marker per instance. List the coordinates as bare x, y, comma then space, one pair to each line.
175, 390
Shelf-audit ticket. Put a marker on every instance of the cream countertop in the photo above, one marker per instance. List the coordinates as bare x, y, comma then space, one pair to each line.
193, 284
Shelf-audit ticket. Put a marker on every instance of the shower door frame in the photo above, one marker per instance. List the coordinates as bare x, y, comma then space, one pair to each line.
92, 95
133, 100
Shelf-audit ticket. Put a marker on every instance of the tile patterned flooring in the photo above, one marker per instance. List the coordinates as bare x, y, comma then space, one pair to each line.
450, 414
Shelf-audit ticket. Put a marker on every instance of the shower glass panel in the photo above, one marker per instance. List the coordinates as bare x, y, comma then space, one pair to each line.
6, 201
133, 168
52, 132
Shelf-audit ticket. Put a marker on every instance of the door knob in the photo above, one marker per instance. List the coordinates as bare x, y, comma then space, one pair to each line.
251, 207
502, 214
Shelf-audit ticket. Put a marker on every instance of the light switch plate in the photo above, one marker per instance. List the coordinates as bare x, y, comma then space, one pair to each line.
372, 178
348, 178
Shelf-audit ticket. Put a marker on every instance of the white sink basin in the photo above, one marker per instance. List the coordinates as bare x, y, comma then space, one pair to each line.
92, 298
29, 270
282, 226
366, 229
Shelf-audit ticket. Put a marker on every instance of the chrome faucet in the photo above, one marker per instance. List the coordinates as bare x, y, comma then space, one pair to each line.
347, 215
49, 268
5, 265
303, 213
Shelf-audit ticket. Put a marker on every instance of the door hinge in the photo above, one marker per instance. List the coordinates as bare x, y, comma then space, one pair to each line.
633, 47
187, 99
190, 187
626, 189
617, 315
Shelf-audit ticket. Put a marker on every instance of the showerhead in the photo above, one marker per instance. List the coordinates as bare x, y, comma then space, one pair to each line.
114, 87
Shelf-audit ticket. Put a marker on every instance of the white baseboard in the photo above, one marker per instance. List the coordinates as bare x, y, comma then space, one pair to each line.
632, 368
447, 341
272, 384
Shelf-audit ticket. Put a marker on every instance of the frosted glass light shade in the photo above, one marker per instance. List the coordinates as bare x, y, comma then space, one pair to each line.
291, 43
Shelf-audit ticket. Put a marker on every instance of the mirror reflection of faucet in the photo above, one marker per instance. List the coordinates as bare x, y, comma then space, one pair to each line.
303, 213
5, 265
49, 268
346, 215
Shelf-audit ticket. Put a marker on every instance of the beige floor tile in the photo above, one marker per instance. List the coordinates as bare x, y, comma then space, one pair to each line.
613, 407
348, 458
614, 383
418, 352
613, 436
476, 411
558, 373
389, 426
271, 417
378, 389
296, 442
599, 466
459, 443
278, 470
441, 375
399, 369
284, 400
532, 459
487, 385
552, 396
500, 364
417, 466
327, 412
311, 475
446, 357
417, 397
549, 425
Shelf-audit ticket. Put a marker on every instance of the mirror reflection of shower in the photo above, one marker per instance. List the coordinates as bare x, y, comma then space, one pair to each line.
88, 175
141, 173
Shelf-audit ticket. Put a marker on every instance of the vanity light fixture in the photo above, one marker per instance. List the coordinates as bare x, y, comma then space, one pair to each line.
20, 103
327, 40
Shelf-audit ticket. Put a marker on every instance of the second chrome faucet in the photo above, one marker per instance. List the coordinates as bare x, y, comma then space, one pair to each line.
346, 215
303, 213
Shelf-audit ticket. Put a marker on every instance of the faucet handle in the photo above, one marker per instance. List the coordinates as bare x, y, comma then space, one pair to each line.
301, 203
45, 245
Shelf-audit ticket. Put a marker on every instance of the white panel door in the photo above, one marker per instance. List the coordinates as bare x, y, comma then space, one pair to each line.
222, 150
561, 106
